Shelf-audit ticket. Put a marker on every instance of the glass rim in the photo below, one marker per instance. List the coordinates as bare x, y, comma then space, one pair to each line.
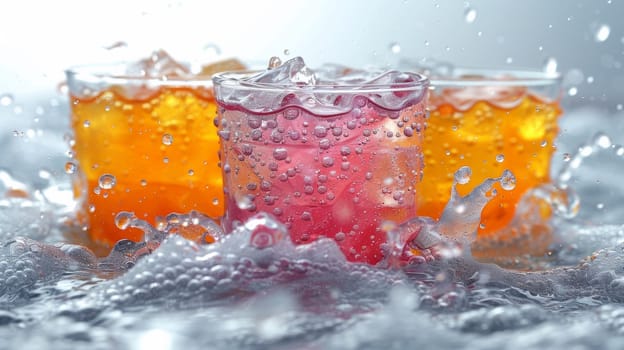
479, 77
114, 74
234, 78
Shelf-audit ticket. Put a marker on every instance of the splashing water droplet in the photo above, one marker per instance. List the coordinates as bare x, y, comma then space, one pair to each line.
167, 139
274, 62
107, 181
500, 158
124, 219
550, 65
603, 141
572, 91
395, 48
470, 15
70, 168
462, 176
602, 33
508, 180
6, 99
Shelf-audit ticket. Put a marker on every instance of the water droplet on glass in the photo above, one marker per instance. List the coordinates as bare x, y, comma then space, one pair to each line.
167, 139
191, 172
143, 182
618, 107
590, 79
70, 168
600, 206
280, 153
462, 176
508, 180
470, 15
107, 181
286, 52
550, 65
395, 48
509, 60
6, 99
500, 158
426, 43
86, 124
572, 91
215, 201
602, 33
274, 62
340, 236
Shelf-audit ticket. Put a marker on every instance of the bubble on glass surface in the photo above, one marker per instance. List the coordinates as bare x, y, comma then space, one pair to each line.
167, 139
70, 168
500, 158
602, 32
470, 15
107, 181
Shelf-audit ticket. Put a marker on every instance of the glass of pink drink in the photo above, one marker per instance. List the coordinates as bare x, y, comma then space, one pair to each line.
332, 154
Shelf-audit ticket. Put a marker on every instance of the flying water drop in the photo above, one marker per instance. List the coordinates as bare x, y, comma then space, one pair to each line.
602, 33
6, 99
470, 15
395, 48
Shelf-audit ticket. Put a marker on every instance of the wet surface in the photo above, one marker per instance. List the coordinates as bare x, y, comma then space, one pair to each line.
246, 292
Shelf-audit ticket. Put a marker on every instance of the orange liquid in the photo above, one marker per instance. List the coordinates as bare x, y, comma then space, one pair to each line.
523, 134
161, 149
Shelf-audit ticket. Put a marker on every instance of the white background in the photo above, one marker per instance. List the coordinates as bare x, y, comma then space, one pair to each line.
38, 39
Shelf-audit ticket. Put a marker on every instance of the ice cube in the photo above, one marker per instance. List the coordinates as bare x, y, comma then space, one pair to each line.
159, 65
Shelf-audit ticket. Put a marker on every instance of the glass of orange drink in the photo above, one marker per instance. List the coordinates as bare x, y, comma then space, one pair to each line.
489, 121
144, 141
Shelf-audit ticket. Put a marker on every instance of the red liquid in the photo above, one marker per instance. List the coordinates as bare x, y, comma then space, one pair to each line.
339, 177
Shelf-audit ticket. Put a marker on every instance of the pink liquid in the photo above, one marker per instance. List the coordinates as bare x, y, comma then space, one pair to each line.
340, 176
